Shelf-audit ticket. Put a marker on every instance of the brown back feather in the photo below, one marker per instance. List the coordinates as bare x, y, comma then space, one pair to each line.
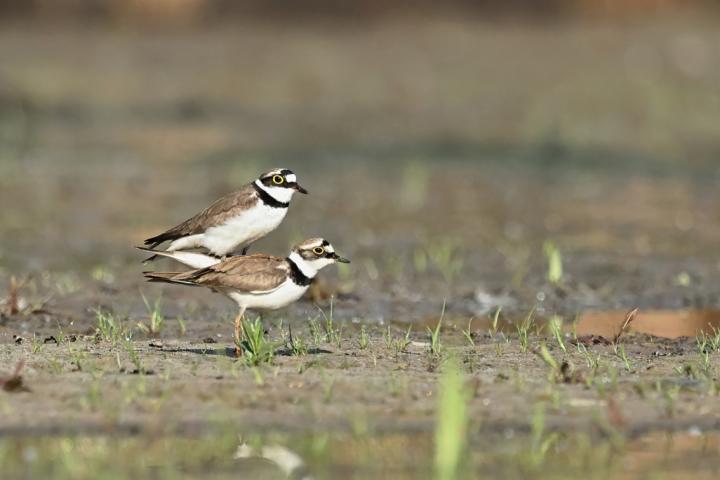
216, 214
252, 273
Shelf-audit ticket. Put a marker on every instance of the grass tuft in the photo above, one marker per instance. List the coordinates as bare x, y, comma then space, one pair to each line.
256, 347
156, 320
364, 340
523, 330
109, 327
555, 324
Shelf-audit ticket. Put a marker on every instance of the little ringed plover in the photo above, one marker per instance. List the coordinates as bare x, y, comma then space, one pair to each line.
260, 282
236, 220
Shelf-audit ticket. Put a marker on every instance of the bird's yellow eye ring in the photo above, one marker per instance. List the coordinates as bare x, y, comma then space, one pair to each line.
318, 250
278, 179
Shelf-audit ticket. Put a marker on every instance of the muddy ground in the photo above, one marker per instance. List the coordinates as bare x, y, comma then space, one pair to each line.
445, 182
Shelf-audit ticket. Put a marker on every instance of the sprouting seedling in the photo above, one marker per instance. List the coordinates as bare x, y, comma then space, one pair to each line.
468, 333
523, 329
298, 346
435, 333
546, 356
593, 361
109, 327
703, 343
387, 336
36, 344
401, 344
554, 260
77, 356
332, 334
555, 325
133, 354
622, 354
297, 343
701, 340
314, 328
364, 341
714, 339
257, 349
494, 322
157, 319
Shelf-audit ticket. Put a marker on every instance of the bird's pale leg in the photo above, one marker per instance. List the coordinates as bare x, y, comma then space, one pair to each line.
238, 328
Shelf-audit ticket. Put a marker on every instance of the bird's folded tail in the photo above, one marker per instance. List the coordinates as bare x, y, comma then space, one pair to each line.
153, 242
191, 259
167, 277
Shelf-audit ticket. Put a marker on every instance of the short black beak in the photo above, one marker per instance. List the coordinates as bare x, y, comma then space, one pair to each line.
340, 259
300, 189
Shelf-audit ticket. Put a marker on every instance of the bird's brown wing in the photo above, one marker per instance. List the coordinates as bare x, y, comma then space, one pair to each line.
252, 273
216, 214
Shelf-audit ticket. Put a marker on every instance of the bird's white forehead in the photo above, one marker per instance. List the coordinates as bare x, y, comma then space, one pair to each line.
329, 248
291, 177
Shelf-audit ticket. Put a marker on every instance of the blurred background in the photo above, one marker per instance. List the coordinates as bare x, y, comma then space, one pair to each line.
444, 143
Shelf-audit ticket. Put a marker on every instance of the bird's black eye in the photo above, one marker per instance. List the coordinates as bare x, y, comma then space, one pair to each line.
318, 250
278, 179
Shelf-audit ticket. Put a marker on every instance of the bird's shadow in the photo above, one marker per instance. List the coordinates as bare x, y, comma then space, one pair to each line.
220, 352
230, 351
288, 352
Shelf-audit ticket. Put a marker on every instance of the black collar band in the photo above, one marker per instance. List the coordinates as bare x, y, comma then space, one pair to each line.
297, 276
268, 199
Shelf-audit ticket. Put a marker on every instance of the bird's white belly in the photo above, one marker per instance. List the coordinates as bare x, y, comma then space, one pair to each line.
282, 296
241, 231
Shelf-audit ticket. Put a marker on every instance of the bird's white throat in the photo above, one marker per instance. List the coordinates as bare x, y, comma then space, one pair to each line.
307, 268
281, 194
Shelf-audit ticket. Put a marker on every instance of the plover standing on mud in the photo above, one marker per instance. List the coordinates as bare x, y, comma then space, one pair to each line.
260, 282
236, 220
